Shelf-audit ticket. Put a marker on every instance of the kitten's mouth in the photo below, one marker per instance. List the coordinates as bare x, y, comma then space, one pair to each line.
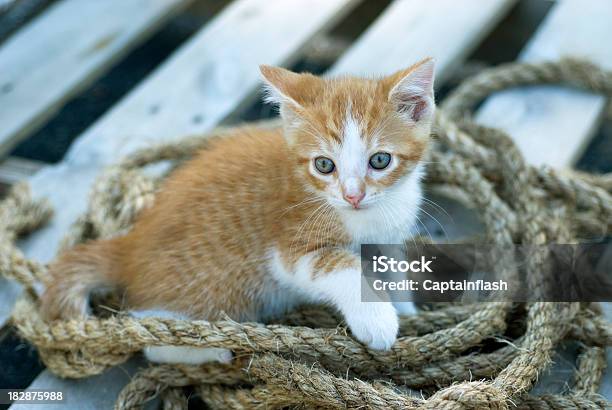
357, 208
345, 206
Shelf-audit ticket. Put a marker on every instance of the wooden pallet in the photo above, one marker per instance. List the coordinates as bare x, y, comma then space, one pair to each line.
214, 75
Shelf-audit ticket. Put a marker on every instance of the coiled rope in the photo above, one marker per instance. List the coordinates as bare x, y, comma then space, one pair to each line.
309, 359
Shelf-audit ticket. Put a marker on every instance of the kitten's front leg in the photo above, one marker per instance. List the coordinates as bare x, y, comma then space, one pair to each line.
334, 276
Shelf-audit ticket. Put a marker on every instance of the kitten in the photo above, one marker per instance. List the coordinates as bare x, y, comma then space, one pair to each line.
263, 220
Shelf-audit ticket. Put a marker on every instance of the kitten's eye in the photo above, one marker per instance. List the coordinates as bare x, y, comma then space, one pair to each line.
380, 160
324, 165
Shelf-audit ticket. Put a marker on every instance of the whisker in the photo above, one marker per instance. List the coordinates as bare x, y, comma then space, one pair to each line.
299, 233
436, 221
429, 201
306, 201
317, 227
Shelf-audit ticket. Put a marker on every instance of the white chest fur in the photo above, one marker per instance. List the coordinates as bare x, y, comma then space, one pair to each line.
392, 221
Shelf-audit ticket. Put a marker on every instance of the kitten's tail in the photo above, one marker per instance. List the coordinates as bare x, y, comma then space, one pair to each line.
75, 274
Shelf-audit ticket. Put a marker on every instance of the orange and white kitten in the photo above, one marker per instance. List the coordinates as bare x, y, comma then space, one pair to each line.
263, 220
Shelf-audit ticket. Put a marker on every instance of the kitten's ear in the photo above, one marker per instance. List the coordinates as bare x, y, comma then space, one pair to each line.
412, 93
290, 90
280, 85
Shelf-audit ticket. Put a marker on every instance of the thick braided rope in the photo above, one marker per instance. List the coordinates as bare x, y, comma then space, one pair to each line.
274, 363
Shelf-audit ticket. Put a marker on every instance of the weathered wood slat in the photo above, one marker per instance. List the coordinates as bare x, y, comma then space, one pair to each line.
15, 169
9, 291
62, 51
16, 13
408, 31
606, 385
553, 125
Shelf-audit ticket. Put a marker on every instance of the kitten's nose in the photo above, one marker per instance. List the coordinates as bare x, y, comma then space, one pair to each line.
354, 199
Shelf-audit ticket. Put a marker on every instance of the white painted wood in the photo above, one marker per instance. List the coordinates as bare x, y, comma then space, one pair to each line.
14, 169
409, 30
62, 51
553, 125
606, 385
9, 291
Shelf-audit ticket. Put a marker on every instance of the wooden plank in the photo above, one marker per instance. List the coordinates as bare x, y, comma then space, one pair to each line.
15, 13
570, 29
15, 169
553, 125
409, 30
606, 385
212, 76
9, 291
62, 51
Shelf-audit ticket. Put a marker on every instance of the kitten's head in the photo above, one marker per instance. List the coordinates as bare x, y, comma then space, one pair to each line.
355, 139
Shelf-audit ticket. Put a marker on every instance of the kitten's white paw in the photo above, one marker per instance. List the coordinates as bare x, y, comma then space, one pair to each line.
374, 324
187, 355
